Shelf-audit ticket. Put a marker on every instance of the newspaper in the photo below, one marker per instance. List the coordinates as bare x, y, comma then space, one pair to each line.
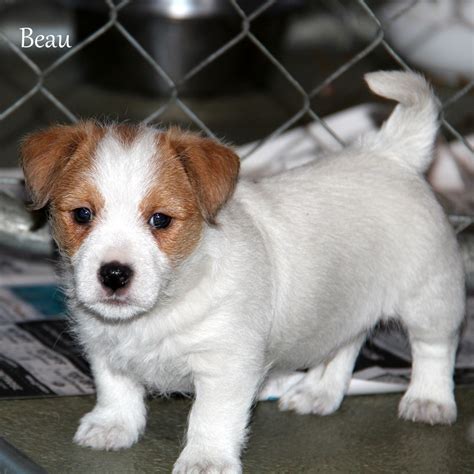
18, 271
38, 356
36, 360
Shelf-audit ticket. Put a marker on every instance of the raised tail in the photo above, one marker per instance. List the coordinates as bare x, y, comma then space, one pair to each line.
410, 130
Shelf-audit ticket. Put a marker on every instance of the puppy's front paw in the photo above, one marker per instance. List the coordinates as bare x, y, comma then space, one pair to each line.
99, 431
305, 400
427, 411
194, 464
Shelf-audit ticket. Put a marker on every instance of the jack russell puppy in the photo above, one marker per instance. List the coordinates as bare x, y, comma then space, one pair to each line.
182, 279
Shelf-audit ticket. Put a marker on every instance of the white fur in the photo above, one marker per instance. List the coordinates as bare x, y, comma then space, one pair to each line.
411, 130
299, 268
123, 176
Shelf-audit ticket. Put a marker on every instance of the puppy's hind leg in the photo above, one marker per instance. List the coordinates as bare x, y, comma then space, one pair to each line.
322, 389
433, 326
278, 383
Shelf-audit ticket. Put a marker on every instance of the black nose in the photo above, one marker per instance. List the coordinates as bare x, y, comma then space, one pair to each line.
114, 275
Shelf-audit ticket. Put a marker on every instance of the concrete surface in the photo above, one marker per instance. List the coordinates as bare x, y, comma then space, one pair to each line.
363, 437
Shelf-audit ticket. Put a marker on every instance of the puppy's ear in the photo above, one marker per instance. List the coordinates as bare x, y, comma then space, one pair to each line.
44, 155
212, 169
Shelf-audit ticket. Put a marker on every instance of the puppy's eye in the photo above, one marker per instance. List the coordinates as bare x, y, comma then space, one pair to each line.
82, 215
159, 221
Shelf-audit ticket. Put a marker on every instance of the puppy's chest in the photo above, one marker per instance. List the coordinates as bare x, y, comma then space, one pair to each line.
160, 364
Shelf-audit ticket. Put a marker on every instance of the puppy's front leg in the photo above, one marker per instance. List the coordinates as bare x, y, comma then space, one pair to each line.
218, 421
119, 416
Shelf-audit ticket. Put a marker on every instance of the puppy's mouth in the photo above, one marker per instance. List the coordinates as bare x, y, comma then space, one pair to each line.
116, 300
111, 308
116, 306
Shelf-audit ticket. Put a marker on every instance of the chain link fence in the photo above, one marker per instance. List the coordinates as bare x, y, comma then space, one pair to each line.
303, 95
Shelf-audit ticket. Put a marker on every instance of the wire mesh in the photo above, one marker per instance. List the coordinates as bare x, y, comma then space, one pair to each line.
305, 95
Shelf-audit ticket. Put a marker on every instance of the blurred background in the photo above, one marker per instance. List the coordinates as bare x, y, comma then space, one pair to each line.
242, 70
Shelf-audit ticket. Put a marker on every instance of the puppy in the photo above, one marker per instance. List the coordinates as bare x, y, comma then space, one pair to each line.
181, 281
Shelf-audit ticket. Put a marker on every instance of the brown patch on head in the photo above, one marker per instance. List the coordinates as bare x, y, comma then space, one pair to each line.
171, 194
55, 163
75, 193
211, 168
127, 133
195, 177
